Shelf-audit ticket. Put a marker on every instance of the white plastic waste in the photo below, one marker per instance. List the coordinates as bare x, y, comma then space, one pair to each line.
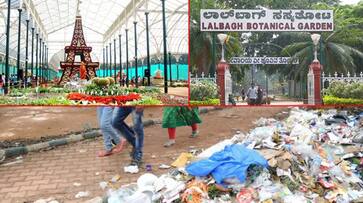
213, 149
295, 198
262, 133
139, 197
77, 184
82, 194
103, 185
146, 182
131, 169
303, 133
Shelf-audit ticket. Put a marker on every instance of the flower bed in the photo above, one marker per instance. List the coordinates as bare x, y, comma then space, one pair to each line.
204, 93
99, 91
40, 101
172, 100
113, 99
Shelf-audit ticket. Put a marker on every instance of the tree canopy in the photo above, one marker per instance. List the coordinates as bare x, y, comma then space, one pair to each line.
340, 51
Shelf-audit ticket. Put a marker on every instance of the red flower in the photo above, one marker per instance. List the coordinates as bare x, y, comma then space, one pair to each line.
121, 99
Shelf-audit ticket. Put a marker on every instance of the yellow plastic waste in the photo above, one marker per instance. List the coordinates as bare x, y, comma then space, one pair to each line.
182, 160
195, 192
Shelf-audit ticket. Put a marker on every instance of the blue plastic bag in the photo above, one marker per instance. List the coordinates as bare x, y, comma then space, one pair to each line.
232, 162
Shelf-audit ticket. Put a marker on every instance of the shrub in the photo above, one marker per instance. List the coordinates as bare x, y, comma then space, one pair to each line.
204, 90
211, 102
345, 90
331, 100
145, 101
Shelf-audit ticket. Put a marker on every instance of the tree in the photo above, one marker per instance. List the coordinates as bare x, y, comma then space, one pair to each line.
201, 42
339, 51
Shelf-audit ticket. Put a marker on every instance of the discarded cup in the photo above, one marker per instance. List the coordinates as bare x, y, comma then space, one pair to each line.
148, 167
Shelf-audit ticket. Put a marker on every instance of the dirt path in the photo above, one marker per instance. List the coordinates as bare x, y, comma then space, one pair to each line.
33, 123
53, 173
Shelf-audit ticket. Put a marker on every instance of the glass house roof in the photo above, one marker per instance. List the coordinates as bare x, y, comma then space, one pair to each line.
103, 21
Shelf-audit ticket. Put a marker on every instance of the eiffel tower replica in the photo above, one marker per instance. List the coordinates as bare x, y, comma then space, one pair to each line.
78, 47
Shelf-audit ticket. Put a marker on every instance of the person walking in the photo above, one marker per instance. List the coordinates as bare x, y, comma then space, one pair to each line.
134, 136
243, 94
178, 116
252, 94
109, 134
259, 95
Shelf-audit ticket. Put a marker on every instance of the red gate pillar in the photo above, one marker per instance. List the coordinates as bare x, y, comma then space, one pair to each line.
221, 72
314, 83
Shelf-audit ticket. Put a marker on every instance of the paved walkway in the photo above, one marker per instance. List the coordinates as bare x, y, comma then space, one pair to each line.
53, 173
276, 103
178, 91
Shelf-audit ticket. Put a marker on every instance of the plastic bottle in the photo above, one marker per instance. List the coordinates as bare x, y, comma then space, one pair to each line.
315, 165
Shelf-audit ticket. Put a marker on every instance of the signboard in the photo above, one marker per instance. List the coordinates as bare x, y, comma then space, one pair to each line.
266, 20
263, 60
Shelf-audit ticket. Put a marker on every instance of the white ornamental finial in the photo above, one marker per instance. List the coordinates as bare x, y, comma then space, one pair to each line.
222, 38
78, 11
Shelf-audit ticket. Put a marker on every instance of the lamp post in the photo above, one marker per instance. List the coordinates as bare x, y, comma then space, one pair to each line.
36, 60
46, 62
136, 71
6, 89
213, 70
106, 60
147, 47
127, 57
165, 49
254, 68
120, 49
32, 57
114, 52
40, 61
43, 62
222, 72
103, 62
314, 75
177, 58
266, 86
170, 71
26, 53
159, 61
18, 54
110, 67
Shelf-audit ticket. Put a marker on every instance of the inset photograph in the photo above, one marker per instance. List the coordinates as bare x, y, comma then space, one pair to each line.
177, 154
94, 52
269, 53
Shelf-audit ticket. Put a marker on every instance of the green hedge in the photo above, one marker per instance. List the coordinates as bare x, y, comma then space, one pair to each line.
145, 101
345, 90
331, 100
206, 102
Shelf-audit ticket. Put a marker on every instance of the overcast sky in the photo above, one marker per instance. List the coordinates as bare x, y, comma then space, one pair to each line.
349, 1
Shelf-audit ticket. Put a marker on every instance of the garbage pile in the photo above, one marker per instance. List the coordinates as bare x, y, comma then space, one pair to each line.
311, 156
